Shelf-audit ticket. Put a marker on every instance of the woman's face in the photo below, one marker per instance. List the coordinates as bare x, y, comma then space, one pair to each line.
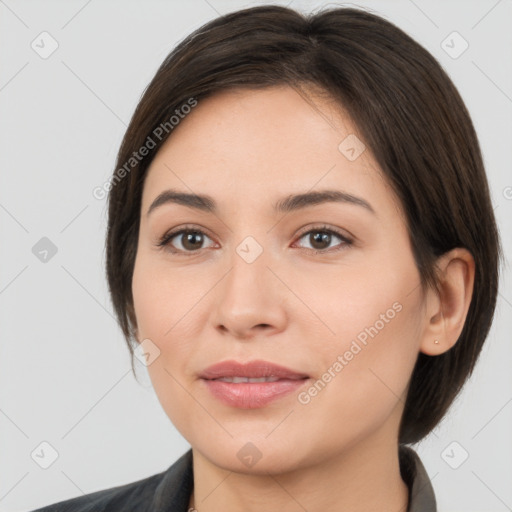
328, 289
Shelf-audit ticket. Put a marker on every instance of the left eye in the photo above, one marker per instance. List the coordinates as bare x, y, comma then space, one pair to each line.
320, 239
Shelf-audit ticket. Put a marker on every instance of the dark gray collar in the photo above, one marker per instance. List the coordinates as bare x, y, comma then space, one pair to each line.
421, 493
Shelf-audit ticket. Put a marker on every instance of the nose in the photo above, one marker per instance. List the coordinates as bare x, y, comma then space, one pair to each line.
250, 301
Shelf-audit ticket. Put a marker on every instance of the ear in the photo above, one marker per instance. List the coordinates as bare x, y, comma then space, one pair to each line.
448, 308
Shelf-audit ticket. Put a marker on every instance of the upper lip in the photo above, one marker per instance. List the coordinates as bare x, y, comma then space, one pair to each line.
257, 368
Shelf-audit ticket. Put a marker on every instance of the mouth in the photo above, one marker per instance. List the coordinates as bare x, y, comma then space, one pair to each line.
238, 380
251, 385
257, 369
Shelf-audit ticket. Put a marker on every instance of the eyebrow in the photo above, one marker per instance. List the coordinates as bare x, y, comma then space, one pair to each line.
285, 205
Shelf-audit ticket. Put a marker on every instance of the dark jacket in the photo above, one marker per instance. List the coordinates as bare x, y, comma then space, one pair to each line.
170, 490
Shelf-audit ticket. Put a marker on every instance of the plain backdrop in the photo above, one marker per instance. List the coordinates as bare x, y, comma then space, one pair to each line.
65, 377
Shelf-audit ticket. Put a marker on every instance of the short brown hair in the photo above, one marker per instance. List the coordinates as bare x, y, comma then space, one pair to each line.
411, 117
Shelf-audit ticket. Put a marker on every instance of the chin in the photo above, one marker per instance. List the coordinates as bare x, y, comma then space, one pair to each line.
258, 457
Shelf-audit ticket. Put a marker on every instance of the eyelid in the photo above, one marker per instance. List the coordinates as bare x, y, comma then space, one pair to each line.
342, 233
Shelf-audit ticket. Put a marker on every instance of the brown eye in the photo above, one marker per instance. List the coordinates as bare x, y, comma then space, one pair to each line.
320, 240
192, 241
185, 240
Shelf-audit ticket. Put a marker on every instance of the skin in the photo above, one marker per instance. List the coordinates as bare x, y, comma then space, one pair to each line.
292, 306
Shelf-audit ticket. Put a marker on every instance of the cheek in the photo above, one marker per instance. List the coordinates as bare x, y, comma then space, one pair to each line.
368, 362
370, 310
164, 301
363, 384
165, 308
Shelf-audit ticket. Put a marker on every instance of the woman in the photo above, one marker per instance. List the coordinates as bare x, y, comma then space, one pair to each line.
302, 249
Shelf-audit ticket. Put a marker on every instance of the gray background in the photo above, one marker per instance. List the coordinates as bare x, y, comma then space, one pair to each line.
64, 368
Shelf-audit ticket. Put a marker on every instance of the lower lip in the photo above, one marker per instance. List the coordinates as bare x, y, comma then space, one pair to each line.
251, 395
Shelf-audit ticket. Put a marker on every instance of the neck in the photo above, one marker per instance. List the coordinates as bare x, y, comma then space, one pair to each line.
364, 477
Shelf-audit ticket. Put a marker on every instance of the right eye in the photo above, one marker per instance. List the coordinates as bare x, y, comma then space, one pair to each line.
188, 240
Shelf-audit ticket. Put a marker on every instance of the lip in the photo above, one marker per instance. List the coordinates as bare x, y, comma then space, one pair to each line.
251, 395
256, 368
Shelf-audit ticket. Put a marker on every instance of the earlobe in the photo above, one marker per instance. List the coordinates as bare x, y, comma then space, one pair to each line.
447, 309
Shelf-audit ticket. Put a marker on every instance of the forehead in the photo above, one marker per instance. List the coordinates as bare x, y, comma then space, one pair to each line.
248, 145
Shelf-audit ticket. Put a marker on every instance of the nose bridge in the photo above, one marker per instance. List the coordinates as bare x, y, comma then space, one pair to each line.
249, 295
248, 281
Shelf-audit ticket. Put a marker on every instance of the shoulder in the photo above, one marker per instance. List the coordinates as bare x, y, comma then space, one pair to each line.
171, 485
123, 497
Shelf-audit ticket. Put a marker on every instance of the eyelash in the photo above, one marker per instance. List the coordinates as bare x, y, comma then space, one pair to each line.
164, 241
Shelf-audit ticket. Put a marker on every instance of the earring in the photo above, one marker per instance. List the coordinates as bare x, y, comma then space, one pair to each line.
436, 342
